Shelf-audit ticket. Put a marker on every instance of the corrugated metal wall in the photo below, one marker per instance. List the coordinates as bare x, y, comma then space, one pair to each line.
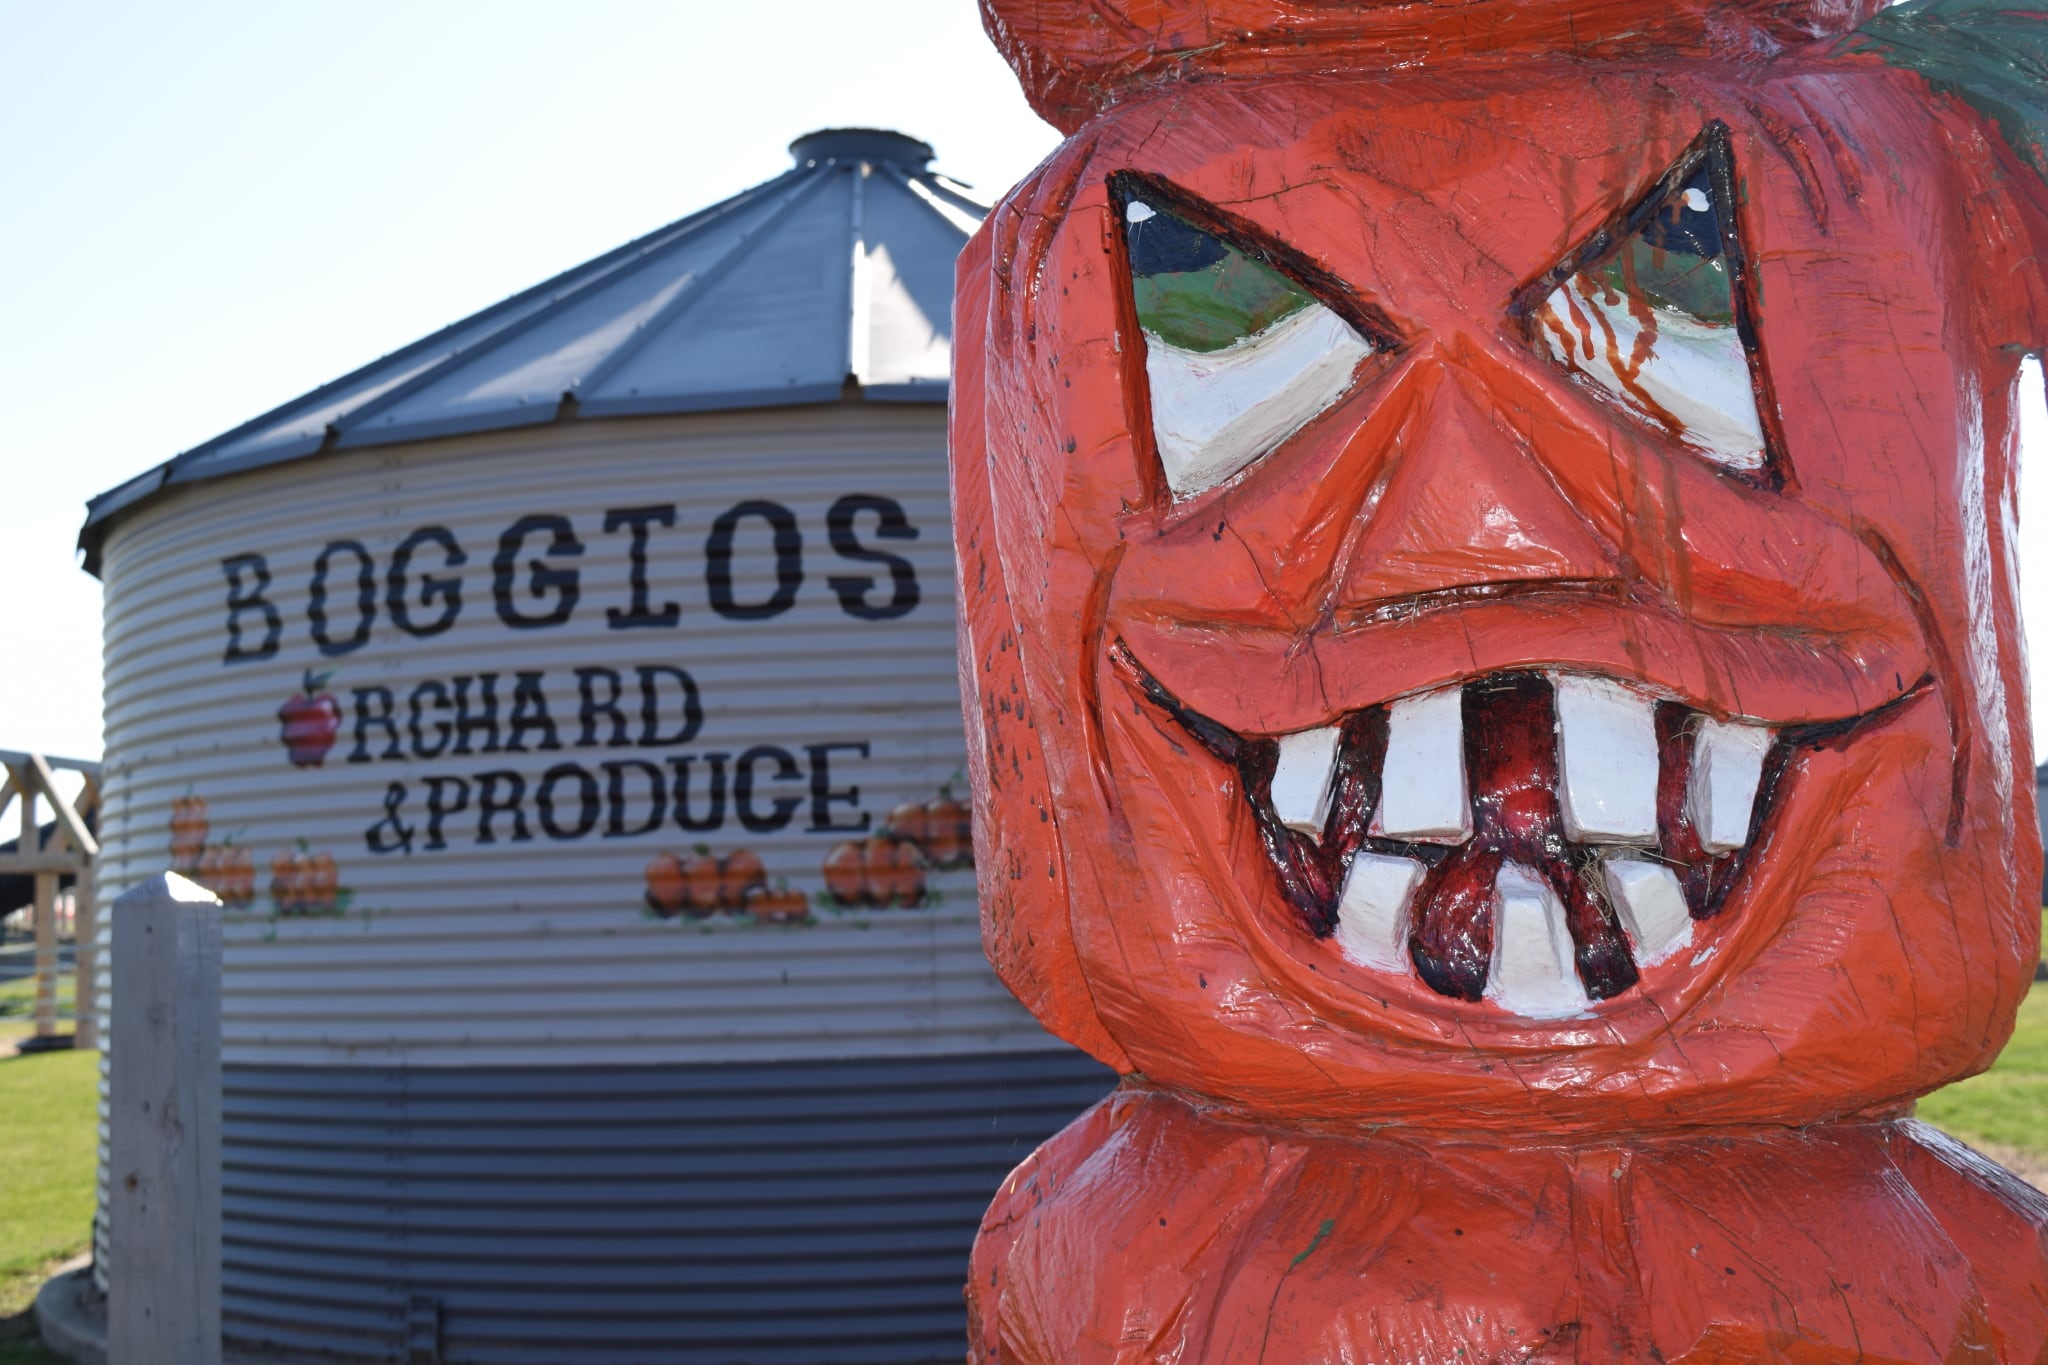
790, 1212
464, 976
496, 950
2041, 816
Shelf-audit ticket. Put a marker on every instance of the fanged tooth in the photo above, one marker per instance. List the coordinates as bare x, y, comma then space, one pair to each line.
1727, 766
1372, 913
1302, 778
1607, 751
1422, 783
1650, 901
1533, 970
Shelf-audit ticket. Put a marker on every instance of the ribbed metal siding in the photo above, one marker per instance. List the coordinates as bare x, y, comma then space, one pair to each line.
2041, 816
790, 1212
518, 957
501, 953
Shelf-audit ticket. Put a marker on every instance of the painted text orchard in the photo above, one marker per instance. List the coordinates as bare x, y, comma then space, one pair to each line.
520, 720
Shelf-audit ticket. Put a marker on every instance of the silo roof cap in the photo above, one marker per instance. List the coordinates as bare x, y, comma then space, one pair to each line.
834, 280
861, 144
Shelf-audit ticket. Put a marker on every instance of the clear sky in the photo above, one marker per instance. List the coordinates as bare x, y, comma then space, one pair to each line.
209, 209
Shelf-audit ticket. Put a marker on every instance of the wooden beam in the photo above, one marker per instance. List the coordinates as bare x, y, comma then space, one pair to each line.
24, 783
46, 955
85, 930
67, 818
28, 865
28, 846
19, 757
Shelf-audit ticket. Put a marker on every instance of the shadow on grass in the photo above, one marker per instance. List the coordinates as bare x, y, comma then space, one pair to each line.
19, 1344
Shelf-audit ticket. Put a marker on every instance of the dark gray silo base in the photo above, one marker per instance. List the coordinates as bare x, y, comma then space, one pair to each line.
773, 1213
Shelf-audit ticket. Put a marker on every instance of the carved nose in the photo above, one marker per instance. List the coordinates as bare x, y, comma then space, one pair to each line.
1467, 504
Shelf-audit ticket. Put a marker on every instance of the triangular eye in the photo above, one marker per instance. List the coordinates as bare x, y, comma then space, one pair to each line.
1196, 292
1237, 355
1654, 313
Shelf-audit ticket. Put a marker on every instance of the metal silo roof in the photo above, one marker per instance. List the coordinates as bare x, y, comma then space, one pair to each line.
834, 278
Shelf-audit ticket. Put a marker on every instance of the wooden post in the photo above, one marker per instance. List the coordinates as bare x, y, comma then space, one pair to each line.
85, 963
47, 966
163, 1196
86, 929
43, 915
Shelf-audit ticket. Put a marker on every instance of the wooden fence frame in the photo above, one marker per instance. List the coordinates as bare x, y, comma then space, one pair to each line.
31, 780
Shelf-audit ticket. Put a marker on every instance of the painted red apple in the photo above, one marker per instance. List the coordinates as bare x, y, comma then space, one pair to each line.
311, 720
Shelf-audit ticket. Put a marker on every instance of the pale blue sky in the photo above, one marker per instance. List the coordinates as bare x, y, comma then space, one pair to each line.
209, 209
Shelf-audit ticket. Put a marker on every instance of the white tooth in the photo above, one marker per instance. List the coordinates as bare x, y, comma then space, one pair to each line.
1727, 765
1302, 779
1422, 783
1372, 914
1650, 902
1533, 970
1607, 755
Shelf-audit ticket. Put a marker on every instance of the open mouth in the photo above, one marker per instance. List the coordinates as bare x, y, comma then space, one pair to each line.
1536, 839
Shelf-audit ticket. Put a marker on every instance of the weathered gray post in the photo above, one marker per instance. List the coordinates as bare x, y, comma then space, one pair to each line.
163, 1201
85, 930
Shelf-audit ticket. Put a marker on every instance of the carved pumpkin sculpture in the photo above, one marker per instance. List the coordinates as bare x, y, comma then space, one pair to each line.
1494, 688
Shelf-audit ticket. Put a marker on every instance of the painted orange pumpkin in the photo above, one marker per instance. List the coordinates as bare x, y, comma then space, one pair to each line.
705, 880
284, 883
210, 868
895, 873
880, 871
846, 873
949, 832
188, 833
320, 880
908, 821
740, 871
781, 905
301, 883
229, 871
668, 890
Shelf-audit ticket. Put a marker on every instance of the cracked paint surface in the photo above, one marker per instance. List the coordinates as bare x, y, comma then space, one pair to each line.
1602, 1050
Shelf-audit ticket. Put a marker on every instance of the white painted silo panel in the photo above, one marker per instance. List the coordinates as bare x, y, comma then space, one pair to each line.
501, 741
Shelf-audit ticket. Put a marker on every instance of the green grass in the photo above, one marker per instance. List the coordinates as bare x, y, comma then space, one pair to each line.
46, 1166
18, 1008
47, 1104
29, 1352
2007, 1105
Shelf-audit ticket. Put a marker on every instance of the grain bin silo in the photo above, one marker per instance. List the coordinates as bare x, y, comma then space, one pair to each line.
565, 707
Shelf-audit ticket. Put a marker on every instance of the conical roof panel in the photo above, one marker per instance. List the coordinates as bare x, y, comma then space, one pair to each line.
908, 245
772, 326
838, 272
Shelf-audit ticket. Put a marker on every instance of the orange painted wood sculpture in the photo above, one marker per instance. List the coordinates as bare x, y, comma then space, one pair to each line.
1486, 538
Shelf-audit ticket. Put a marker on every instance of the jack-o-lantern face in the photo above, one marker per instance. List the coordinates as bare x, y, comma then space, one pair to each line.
1487, 595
